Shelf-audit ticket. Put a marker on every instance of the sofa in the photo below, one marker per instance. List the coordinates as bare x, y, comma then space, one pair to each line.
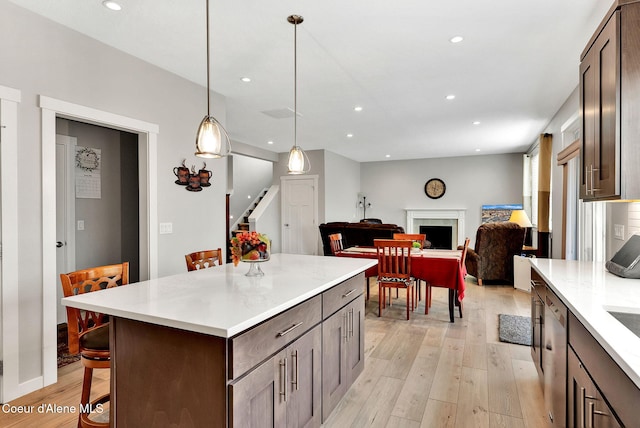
353, 234
492, 257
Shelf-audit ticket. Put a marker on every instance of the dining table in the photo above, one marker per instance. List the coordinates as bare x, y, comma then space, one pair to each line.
437, 268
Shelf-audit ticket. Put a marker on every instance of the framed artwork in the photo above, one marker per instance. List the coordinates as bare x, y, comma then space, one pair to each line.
500, 212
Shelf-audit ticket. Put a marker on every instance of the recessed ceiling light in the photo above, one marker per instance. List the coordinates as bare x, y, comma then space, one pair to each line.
456, 39
269, 142
110, 4
245, 79
349, 135
248, 196
477, 150
477, 122
387, 156
450, 97
357, 108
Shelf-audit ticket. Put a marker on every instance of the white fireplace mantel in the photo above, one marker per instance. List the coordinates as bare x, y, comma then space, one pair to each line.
416, 217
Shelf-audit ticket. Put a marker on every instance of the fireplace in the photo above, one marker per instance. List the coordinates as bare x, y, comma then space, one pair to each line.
452, 219
438, 237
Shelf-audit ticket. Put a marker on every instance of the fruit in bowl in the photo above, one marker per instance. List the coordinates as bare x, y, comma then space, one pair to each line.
250, 247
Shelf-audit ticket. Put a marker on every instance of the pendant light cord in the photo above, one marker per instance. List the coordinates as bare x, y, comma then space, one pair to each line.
208, 94
295, 84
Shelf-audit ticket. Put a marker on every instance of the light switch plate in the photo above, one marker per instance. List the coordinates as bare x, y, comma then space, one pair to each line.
166, 228
80, 224
618, 231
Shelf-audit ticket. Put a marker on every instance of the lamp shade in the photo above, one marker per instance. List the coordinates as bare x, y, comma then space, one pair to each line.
298, 164
520, 217
212, 140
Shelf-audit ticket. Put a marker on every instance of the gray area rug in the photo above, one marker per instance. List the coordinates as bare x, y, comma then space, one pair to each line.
515, 329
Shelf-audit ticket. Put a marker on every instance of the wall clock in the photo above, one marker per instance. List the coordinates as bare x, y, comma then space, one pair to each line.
435, 188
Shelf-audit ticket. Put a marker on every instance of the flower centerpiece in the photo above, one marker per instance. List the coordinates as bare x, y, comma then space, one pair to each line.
250, 247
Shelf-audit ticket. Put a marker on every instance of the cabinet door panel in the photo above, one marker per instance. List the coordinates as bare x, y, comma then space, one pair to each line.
588, 111
304, 407
600, 109
255, 400
608, 60
355, 338
334, 379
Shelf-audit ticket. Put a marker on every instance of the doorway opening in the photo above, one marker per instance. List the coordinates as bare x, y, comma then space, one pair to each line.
146, 203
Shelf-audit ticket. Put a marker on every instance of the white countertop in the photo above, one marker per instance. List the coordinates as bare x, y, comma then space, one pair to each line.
222, 301
589, 290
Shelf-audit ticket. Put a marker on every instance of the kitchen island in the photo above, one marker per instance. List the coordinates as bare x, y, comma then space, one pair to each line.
602, 354
216, 348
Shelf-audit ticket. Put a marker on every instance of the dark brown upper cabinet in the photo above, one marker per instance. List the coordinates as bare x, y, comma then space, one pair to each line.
610, 107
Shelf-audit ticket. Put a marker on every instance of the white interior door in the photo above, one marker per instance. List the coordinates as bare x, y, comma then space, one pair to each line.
300, 215
65, 215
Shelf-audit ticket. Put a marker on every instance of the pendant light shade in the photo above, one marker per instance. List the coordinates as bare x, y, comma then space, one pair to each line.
298, 160
212, 140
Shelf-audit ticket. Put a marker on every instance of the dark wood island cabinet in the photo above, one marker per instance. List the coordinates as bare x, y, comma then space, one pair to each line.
215, 348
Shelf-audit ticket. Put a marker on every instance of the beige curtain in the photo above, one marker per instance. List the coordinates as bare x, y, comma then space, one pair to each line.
544, 182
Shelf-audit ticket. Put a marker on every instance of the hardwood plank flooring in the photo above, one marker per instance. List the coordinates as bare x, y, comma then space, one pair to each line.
461, 375
425, 372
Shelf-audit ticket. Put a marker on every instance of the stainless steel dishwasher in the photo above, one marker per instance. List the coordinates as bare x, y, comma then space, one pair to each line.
554, 359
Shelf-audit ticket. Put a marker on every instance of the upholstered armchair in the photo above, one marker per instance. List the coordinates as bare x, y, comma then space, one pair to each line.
496, 244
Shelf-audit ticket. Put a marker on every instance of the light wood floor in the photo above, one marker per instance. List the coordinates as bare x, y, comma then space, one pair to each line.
425, 372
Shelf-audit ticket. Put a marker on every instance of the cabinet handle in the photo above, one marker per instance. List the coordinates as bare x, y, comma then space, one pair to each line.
294, 356
583, 402
590, 172
351, 322
283, 379
593, 412
348, 292
345, 327
290, 329
593, 189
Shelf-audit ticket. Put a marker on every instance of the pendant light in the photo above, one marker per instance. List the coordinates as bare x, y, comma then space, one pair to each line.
298, 160
212, 140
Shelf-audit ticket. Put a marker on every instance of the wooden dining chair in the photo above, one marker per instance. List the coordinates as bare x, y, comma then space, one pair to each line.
414, 237
89, 331
394, 270
203, 259
335, 240
421, 239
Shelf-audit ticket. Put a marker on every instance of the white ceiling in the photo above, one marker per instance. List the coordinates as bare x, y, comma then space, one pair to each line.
516, 66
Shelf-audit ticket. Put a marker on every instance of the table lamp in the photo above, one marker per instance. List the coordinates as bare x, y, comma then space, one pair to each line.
522, 219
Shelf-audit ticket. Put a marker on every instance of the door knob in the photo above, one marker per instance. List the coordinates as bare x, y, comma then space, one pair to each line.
59, 244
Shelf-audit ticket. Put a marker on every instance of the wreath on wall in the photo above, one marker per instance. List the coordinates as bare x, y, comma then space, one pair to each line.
87, 159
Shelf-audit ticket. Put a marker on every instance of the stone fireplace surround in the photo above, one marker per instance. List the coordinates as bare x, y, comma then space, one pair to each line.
437, 217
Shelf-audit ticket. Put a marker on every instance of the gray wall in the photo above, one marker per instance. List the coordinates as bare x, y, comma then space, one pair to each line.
100, 242
250, 176
394, 186
40, 57
342, 184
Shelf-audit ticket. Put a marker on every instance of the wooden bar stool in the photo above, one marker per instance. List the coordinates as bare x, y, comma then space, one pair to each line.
89, 331
203, 259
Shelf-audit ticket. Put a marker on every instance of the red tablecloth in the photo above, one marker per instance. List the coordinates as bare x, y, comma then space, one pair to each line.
443, 271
